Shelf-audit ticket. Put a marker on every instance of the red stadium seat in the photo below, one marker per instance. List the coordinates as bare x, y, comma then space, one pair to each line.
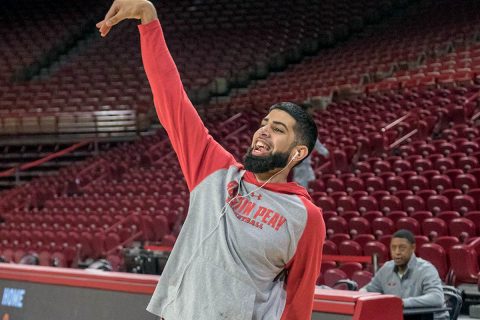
350, 248
419, 241
359, 225
453, 173
416, 183
336, 225
421, 165
362, 239
372, 215
402, 194
437, 256
465, 182
463, 204
410, 224
426, 194
395, 183
332, 276
447, 242
413, 203
330, 248
334, 184
44, 258
451, 193
434, 227
339, 238
346, 203
390, 203
448, 216
474, 216
438, 203
350, 268
378, 248
420, 216
374, 184
362, 278
354, 184
462, 228
383, 226
464, 262
467, 163
444, 164
395, 215
385, 239
327, 203
401, 166
367, 203
440, 182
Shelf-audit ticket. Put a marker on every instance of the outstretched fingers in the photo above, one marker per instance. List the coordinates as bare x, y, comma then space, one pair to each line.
111, 19
102, 28
126, 9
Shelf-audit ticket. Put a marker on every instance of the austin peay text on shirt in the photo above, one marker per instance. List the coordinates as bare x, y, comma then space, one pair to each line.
247, 209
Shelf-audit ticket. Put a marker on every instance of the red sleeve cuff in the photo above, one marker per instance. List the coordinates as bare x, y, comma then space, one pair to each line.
152, 25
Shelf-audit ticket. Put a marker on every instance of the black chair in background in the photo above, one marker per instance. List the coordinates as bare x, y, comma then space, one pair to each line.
346, 284
453, 300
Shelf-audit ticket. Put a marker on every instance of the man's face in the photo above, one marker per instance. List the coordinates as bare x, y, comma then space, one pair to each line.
401, 250
272, 143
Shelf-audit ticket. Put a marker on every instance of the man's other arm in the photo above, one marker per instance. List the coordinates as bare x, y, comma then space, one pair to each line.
375, 285
304, 268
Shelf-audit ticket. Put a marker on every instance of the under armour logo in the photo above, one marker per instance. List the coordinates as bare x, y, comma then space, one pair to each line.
256, 195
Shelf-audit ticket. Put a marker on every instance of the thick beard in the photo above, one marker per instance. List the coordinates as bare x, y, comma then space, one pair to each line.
262, 164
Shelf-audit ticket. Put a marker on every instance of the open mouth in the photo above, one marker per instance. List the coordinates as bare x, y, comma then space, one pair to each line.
261, 149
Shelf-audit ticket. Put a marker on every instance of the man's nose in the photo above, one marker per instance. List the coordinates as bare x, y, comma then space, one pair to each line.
264, 131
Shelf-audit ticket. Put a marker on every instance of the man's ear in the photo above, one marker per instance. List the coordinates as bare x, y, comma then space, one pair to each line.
300, 152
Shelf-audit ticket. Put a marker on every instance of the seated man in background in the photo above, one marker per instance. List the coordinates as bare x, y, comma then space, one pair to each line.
413, 279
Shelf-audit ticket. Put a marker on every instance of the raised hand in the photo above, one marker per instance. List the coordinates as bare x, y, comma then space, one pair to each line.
126, 9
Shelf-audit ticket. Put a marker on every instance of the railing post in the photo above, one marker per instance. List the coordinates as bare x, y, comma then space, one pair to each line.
95, 148
375, 262
17, 176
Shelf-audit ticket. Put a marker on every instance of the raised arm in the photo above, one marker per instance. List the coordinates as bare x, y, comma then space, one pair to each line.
198, 154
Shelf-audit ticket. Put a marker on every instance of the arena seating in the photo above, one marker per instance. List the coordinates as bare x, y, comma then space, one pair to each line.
32, 30
216, 44
376, 60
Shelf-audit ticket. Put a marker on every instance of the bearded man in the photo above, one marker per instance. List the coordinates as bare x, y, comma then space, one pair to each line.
251, 245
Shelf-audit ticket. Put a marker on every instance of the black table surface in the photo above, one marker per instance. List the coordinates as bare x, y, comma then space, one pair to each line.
424, 310
421, 313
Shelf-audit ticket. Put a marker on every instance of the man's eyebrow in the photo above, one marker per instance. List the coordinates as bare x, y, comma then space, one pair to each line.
276, 122
282, 124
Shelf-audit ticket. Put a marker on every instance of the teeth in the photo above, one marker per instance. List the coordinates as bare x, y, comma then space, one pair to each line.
260, 145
